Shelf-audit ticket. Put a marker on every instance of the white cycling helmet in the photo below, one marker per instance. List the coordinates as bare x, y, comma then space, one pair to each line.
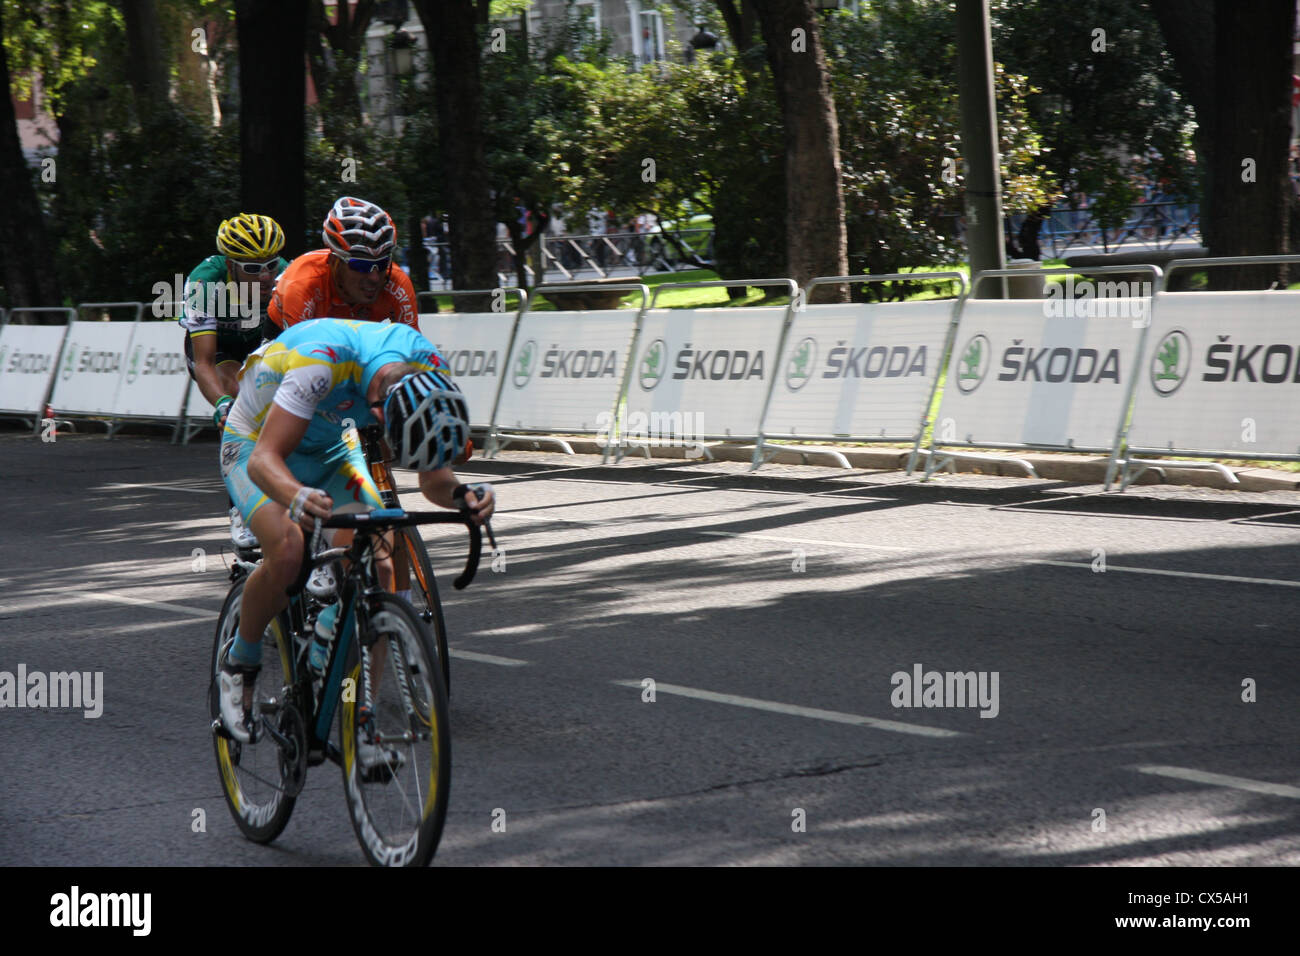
426, 421
356, 229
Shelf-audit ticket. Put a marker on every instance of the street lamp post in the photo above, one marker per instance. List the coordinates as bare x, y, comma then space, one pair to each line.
702, 42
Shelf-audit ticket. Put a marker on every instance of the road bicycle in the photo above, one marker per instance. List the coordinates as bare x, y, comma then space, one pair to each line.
381, 675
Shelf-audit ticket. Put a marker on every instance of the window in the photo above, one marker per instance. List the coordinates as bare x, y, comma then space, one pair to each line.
587, 13
651, 26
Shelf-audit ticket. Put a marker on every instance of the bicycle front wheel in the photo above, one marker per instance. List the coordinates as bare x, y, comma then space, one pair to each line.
252, 774
396, 739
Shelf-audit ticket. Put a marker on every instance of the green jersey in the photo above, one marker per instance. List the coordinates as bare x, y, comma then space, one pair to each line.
234, 311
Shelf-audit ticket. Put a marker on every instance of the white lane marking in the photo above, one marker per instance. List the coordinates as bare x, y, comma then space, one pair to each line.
820, 542
1223, 780
513, 629
832, 715
489, 659
1275, 582
118, 485
126, 599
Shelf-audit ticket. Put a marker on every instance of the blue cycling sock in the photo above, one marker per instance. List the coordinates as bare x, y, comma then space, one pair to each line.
243, 652
326, 619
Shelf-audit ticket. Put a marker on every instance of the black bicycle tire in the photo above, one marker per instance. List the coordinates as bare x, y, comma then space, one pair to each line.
431, 824
429, 585
221, 746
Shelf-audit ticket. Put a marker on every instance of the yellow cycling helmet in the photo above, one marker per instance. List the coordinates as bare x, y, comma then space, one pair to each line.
250, 237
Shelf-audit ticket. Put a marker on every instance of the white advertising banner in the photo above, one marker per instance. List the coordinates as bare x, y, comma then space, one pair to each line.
1221, 374
474, 345
90, 371
1049, 372
565, 370
860, 370
702, 372
154, 373
29, 354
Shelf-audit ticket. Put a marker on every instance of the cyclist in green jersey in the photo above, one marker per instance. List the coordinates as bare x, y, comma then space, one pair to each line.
224, 317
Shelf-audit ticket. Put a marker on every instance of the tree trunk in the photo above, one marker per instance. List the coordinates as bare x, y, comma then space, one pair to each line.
272, 129
1188, 29
25, 254
450, 26
1252, 129
740, 18
145, 69
815, 234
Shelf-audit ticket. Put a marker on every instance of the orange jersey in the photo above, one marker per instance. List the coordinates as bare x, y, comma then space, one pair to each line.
306, 290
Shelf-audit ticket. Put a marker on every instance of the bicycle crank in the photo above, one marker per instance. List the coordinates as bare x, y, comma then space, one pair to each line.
291, 737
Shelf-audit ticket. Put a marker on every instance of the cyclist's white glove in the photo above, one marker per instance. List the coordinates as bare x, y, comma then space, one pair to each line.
299, 503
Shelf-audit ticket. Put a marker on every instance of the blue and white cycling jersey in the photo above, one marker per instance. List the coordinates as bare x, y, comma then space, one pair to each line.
321, 370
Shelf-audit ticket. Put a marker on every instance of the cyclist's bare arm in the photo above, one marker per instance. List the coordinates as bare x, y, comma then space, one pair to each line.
438, 486
211, 382
281, 434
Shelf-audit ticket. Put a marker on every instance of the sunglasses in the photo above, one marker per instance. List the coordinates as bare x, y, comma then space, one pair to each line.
384, 401
257, 268
368, 266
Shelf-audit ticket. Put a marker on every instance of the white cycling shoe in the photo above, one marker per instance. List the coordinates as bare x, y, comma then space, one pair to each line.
377, 762
323, 583
240, 536
231, 682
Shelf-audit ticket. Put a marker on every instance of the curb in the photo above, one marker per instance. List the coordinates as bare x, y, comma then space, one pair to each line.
1077, 469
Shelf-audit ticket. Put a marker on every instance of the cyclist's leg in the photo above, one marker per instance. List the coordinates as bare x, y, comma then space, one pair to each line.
264, 590
347, 480
264, 593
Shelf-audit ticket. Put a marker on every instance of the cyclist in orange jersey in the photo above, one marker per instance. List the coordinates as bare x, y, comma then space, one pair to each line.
352, 278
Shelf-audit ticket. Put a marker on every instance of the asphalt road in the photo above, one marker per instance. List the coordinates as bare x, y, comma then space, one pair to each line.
772, 613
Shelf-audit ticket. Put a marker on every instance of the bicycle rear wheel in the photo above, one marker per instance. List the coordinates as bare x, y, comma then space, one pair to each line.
252, 774
397, 765
424, 597
410, 553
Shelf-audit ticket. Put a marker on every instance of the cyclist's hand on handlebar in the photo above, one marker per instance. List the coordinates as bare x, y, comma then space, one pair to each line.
478, 500
308, 505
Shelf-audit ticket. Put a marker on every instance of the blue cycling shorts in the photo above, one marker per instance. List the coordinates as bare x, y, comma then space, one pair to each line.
340, 471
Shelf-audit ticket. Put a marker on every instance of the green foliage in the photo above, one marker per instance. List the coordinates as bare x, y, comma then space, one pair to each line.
677, 139
1107, 104
138, 214
893, 78
59, 41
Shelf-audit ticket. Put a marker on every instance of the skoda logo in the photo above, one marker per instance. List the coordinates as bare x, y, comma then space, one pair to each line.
134, 370
1170, 362
525, 360
70, 361
799, 367
651, 369
973, 363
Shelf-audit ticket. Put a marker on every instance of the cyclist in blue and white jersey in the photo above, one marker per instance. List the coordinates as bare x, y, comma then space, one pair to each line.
287, 459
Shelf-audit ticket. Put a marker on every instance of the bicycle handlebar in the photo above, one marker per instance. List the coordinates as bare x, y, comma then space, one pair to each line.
383, 518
